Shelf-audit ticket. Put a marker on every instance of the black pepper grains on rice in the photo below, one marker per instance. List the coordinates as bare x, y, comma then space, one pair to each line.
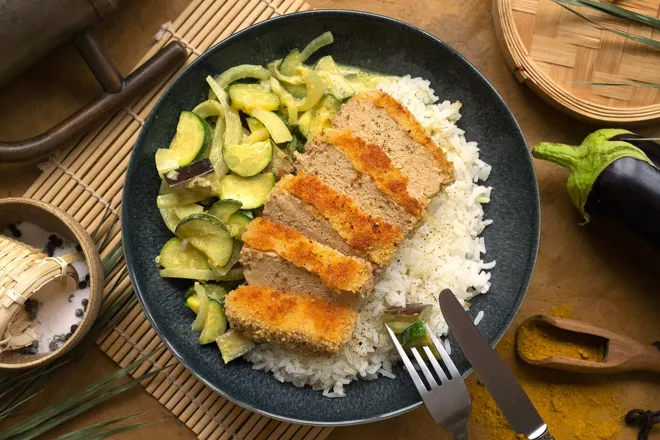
85, 302
52, 346
74, 327
82, 284
14, 231
68, 336
28, 350
87, 278
71, 298
35, 344
79, 313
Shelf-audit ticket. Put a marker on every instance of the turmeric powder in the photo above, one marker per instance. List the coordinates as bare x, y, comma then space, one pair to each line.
575, 407
537, 340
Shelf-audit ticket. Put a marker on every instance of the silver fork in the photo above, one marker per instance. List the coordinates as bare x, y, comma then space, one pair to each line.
448, 402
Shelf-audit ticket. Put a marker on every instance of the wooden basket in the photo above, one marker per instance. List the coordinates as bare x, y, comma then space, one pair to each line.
555, 52
25, 270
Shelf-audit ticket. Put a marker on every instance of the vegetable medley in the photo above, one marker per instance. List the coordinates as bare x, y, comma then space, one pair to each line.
223, 162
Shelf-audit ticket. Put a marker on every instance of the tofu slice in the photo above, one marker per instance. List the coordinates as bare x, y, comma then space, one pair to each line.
336, 270
379, 119
367, 234
291, 319
333, 168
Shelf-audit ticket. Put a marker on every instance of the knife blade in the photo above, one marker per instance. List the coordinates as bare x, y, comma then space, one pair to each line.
496, 376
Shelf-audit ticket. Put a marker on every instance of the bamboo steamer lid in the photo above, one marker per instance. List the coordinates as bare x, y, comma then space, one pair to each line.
552, 51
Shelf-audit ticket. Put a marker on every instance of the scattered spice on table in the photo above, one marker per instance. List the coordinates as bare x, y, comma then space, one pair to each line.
575, 407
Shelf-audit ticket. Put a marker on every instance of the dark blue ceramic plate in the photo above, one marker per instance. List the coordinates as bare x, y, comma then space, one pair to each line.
374, 43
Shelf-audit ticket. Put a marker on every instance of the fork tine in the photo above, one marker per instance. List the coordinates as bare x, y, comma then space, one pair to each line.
427, 373
409, 366
436, 366
443, 354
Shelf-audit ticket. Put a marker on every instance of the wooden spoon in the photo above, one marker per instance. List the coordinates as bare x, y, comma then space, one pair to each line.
621, 353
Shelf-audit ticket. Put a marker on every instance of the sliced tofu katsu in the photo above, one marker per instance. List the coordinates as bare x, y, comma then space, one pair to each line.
337, 272
379, 119
308, 205
300, 321
324, 158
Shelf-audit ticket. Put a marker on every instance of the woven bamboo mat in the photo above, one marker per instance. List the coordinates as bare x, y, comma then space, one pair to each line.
86, 180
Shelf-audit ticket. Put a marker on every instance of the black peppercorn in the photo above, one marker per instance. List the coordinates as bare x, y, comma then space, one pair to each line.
79, 313
52, 346
74, 327
85, 302
82, 284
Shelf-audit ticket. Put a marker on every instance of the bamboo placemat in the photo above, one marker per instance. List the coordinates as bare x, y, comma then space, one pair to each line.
86, 180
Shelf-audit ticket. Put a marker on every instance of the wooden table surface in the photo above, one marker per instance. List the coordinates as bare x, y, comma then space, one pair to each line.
605, 274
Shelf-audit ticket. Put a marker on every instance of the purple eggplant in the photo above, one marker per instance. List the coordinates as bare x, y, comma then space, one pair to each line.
613, 173
185, 174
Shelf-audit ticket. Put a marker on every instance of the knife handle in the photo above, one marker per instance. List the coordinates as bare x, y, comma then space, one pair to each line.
545, 436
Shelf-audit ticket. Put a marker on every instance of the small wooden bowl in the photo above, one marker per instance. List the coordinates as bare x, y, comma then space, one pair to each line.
50, 218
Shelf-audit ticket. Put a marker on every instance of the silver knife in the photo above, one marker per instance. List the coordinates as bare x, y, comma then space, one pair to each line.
496, 376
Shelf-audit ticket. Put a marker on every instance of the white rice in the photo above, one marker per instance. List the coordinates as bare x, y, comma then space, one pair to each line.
445, 252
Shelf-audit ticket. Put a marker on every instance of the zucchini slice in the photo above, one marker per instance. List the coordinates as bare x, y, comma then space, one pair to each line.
202, 275
250, 96
254, 124
247, 160
305, 123
208, 108
223, 209
317, 43
216, 322
203, 308
259, 135
326, 110
192, 139
240, 72
209, 235
233, 344
276, 127
315, 89
334, 81
290, 63
172, 216
216, 292
237, 224
252, 192
166, 161
177, 255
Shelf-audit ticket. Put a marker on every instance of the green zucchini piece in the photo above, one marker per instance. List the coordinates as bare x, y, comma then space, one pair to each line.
326, 110
247, 160
215, 324
252, 192
206, 233
334, 82
172, 216
281, 163
258, 136
416, 335
202, 275
317, 43
288, 101
290, 63
315, 89
297, 144
237, 224
192, 302
400, 318
184, 197
223, 209
254, 124
192, 139
234, 344
216, 292
241, 72
305, 123
276, 127
176, 255
166, 161
247, 97
208, 108
203, 308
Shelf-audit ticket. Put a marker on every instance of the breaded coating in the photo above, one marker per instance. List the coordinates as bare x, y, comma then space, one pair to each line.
336, 270
291, 319
370, 159
366, 233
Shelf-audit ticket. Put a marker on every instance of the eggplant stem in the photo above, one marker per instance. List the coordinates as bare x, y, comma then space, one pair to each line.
567, 156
